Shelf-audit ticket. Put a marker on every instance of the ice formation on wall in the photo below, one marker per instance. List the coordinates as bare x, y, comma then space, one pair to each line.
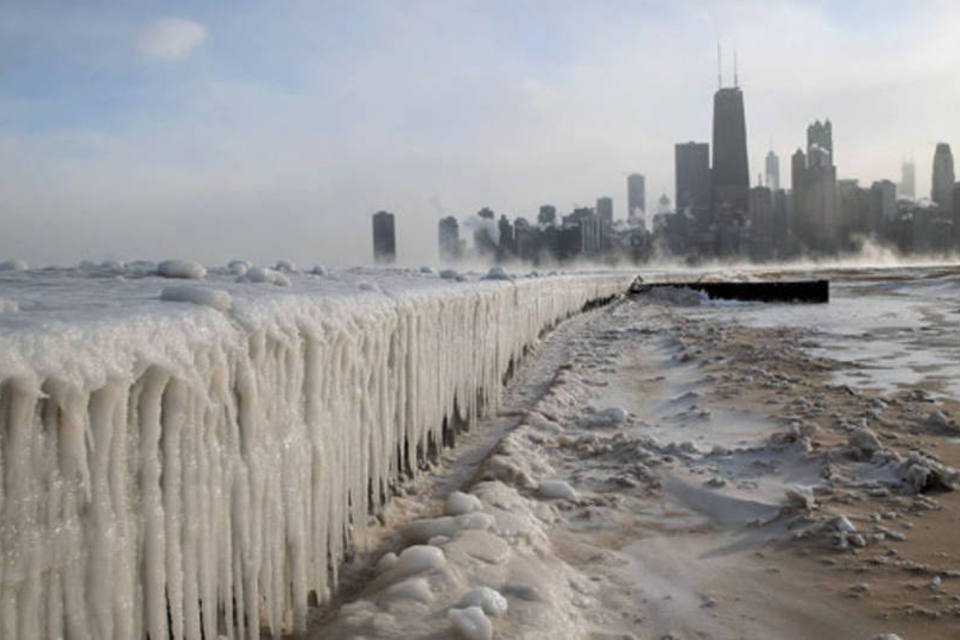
179, 471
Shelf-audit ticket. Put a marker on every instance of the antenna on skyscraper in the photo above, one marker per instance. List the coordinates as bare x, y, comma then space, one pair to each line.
719, 68
736, 83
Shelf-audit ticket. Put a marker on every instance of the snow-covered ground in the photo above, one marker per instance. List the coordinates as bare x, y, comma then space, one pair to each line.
188, 450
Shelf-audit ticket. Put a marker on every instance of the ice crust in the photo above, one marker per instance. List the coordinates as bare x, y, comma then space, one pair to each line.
215, 298
184, 269
160, 461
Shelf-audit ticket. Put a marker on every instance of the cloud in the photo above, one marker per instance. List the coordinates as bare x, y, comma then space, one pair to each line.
171, 38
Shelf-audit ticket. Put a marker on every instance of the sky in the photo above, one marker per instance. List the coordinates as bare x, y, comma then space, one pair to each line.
267, 130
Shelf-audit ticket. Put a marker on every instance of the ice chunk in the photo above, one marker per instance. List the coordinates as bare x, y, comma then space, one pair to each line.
319, 270
610, 417
427, 269
471, 623
450, 274
410, 589
238, 267
476, 520
263, 274
215, 298
557, 490
386, 562
8, 306
419, 558
490, 600
14, 264
497, 273
285, 266
459, 503
186, 269
843, 525
864, 441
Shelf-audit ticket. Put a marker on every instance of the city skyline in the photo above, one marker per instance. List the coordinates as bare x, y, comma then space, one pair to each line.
170, 121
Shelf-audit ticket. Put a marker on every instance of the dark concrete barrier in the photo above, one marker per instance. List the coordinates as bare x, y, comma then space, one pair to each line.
809, 291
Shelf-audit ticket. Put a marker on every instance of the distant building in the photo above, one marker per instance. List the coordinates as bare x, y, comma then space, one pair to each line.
507, 247
821, 135
773, 171
605, 209
731, 172
814, 184
591, 226
908, 180
384, 238
449, 238
941, 190
692, 173
547, 215
636, 197
883, 206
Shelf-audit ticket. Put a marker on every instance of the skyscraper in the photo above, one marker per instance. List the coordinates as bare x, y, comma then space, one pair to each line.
773, 171
449, 237
731, 173
692, 171
908, 180
605, 209
815, 190
941, 190
636, 196
820, 134
384, 238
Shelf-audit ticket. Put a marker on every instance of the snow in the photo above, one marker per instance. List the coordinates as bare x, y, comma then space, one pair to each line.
13, 264
490, 600
285, 266
184, 269
215, 298
164, 461
238, 267
459, 503
471, 623
557, 490
264, 274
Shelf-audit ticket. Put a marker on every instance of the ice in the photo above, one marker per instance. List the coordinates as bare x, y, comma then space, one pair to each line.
459, 503
216, 298
417, 589
185, 269
238, 267
497, 273
285, 266
417, 559
490, 600
471, 623
264, 274
8, 306
450, 274
864, 442
557, 490
173, 472
319, 270
14, 264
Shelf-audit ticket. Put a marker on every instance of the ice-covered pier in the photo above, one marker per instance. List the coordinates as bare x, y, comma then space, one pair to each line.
195, 459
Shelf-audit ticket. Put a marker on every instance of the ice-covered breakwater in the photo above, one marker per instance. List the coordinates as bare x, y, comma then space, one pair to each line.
177, 468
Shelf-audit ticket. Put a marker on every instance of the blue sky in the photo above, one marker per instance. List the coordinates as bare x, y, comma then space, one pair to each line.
266, 130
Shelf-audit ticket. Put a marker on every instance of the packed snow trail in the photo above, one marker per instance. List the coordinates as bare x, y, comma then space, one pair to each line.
195, 464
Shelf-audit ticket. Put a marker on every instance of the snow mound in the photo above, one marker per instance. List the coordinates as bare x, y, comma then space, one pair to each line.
216, 298
185, 269
285, 266
417, 559
427, 269
459, 503
238, 267
557, 490
417, 589
264, 274
471, 623
319, 270
490, 600
14, 264
8, 306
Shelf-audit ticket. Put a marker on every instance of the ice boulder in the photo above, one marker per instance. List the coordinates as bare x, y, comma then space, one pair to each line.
8, 306
319, 270
238, 267
490, 600
470, 623
557, 490
864, 442
497, 273
419, 558
14, 264
185, 269
417, 589
285, 266
450, 274
265, 275
459, 503
386, 562
215, 298
427, 269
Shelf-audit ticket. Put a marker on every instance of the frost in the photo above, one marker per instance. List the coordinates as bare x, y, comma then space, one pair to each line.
263, 274
8, 306
471, 623
557, 490
459, 503
215, 298
185, 269
490, 600
14, 264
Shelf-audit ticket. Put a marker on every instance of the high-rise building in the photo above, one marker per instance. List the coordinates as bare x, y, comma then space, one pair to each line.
941, 190
547, 215
773, 171
692, 172
636, 196
605, 209
820, 134
908, 180
883, 205
384, 238
449, 237
731, 173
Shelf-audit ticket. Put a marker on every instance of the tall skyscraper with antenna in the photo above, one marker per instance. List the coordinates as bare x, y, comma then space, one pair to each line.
773, 171
730, 173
